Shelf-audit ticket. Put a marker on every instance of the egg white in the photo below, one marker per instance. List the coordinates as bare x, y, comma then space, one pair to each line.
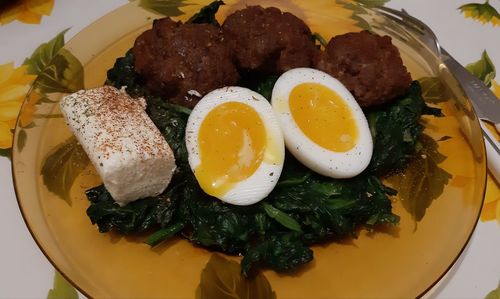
264, 179
319, 159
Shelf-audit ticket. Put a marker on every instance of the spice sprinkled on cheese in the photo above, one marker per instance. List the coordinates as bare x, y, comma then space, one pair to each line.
128, 151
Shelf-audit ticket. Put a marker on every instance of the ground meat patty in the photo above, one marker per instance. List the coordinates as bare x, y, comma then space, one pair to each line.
267, 40
182, 62
369, 66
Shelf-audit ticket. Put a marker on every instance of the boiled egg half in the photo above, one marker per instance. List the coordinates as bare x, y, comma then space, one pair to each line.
235, 146
323, 125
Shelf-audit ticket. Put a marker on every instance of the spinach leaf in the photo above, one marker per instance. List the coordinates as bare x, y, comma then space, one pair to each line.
123, 74
319, 40
259, 83
207, 14
265, 87
284, 219
163, 234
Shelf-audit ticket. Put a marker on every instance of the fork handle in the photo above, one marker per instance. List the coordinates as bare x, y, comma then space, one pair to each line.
484, 101
492, 152
486, 106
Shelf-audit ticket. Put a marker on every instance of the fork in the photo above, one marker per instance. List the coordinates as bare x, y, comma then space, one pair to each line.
485, 103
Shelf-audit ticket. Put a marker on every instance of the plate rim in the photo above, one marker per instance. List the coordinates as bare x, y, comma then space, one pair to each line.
39, 242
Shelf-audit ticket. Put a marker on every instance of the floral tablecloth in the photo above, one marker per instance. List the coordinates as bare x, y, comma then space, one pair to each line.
469, 31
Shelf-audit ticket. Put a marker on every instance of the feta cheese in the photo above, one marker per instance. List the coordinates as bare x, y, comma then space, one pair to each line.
128, 151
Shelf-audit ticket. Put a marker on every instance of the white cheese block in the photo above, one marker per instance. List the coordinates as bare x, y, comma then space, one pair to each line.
129, 152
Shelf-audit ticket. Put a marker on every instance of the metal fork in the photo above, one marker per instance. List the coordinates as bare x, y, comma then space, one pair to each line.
485, 103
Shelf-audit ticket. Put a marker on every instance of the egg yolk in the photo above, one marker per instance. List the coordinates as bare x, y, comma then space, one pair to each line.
232, 142
323, 116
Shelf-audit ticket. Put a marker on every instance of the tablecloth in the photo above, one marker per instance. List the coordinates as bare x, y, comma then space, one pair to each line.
470, 31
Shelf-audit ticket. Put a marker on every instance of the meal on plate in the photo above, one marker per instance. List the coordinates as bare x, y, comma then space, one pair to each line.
248, 137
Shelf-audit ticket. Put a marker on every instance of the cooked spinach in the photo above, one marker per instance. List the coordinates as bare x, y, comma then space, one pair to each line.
123, 75
395, 129
280, 252
328, 208
304, 209
281, 217
163, 234
319, 40
134, 217
207, 14
262, 84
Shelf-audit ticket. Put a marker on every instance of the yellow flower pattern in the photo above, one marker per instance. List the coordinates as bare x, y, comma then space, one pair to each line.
26, 11
29, 109
14, 84
491, 206
484, 13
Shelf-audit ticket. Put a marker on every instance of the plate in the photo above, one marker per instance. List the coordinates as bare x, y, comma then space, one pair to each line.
51, 174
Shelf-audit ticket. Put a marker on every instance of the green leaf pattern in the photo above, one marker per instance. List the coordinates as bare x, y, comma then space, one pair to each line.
62, 166
58, 70
42, 55
433, 90
495, 294
168, 8
481, 12
423, 180
222, 279
21, 139
62, 289
484, 69
5, 152
63, 74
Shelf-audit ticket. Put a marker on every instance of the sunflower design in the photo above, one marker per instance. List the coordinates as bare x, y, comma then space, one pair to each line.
484, 13
316, 14
26, 11
14, 85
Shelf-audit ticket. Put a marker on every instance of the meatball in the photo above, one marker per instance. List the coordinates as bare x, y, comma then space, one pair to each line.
369, 65
268, 41
183, 62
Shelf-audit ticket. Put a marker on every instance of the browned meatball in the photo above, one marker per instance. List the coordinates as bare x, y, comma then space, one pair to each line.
267, 40
369, 65
182, 62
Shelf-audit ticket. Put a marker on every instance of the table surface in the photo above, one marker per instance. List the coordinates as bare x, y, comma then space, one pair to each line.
465, 31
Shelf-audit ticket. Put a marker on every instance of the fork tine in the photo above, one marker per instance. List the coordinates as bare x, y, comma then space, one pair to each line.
392, 13
427, 32
407, 36
412, 23
417, 22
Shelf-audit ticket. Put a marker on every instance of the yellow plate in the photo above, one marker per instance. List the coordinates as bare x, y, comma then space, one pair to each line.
401, 262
